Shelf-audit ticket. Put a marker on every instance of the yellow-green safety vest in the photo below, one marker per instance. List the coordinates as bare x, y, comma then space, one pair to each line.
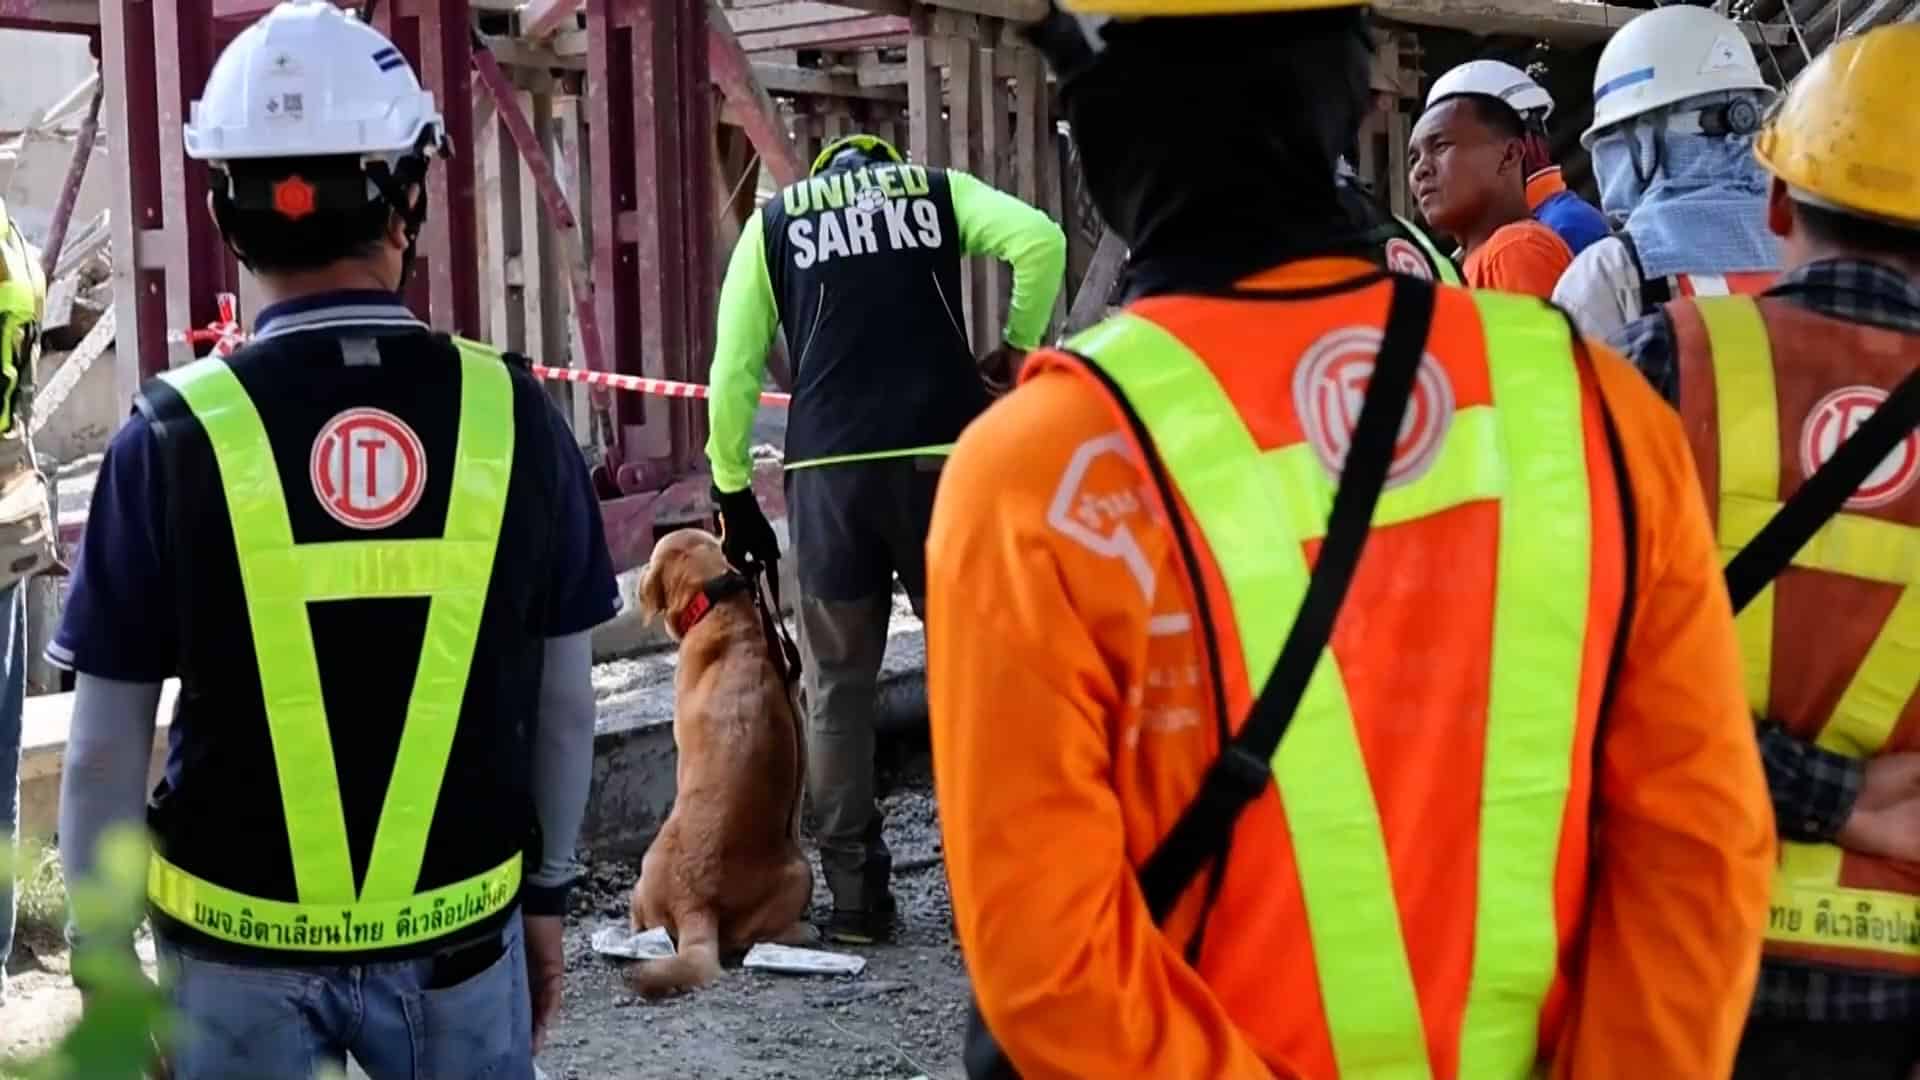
280, 577
23, 298
1449, 273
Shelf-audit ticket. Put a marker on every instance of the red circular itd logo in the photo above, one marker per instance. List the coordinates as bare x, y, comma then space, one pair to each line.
1404, 258
1833, 421
368, 468
1330, 386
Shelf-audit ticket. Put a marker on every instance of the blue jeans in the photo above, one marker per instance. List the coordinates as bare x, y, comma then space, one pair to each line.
13, 698
246, 1023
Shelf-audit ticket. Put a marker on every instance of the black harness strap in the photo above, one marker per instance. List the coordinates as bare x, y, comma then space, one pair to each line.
1823, 494
1243, 772
1654, 292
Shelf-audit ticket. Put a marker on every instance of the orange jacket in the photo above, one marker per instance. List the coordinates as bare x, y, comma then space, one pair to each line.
1523, 257
1072, 722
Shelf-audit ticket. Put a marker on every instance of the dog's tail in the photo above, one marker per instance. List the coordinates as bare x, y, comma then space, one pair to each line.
695, 962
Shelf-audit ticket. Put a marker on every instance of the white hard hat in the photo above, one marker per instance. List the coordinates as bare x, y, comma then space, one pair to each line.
1494, 79
1668, 55
310, 79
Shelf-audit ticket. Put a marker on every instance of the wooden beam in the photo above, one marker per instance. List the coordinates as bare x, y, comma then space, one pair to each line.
875, 72
845, 33
872, 7
519, 53
790, 79
1017, 11
951, 22
996, 151
796, 13
965, 91
1090, 305
926, 124
538, 18
761, 120
31, 14
1563, 22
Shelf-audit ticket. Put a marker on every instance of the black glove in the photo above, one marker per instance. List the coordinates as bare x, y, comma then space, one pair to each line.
745, 534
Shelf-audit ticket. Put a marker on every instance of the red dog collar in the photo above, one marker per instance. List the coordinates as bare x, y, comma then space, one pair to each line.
714, 591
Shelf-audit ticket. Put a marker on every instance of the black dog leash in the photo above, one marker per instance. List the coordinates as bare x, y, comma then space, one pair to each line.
766, 600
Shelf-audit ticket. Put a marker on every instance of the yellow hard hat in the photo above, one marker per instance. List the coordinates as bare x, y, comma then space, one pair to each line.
1141, 9
1844, 134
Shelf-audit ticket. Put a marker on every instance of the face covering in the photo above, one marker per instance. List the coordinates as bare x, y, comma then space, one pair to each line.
1695, 203
1198, 167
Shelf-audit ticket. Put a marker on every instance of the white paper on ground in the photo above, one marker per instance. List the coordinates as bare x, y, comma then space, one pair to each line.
620, 941
785, 958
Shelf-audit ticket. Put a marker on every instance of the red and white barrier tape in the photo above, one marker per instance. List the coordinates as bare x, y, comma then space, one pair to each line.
226, 337
641, 385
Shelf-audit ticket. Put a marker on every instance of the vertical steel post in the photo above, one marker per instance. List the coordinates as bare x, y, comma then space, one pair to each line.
611, 117
436, 36
168, 258
651, 109
70, 187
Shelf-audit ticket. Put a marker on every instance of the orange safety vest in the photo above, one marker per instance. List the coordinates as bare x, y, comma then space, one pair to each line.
1831, 649
1737, 284
1397, 903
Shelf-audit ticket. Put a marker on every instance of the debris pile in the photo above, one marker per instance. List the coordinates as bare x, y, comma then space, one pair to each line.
75, 332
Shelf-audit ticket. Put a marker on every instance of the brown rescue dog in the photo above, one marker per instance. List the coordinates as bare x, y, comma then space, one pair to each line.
727, 869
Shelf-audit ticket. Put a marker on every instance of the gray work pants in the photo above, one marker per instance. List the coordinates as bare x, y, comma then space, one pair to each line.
855, 526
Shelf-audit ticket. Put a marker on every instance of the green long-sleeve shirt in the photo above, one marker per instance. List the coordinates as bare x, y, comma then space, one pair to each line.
862, 268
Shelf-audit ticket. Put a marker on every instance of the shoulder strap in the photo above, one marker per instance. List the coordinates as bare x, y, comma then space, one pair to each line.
1823, 494
1243, 771
1653, 291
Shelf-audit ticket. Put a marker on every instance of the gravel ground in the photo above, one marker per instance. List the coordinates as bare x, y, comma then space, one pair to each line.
902, 1017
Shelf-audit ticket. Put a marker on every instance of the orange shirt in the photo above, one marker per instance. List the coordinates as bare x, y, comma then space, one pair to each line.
1523, 257
1071, 721
1544, 185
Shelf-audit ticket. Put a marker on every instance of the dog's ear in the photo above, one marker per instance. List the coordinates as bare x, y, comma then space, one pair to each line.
653, 589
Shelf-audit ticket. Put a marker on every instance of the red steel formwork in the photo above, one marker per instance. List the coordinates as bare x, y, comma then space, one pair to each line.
650, 113
648, 309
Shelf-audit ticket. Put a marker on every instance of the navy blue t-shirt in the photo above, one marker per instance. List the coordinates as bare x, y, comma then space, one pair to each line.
119, 620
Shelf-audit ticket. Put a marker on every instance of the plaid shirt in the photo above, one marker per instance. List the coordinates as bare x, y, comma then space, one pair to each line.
1813, 790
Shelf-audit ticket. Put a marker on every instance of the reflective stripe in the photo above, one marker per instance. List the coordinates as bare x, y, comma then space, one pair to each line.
1534, 435
1704, 285
22, 295
18, 309
1441, 264
1748, 418
352, 927
280, 578
1809, 905
1533, 703
938, 450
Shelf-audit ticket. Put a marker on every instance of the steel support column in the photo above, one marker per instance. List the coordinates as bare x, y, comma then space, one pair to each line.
436, 36
531, 148
169, 261
651, 106
70, 187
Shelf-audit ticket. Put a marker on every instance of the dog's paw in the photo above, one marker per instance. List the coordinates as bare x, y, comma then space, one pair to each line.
800, 933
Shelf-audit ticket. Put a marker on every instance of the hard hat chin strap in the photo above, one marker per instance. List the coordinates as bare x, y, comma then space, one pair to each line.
393, 184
